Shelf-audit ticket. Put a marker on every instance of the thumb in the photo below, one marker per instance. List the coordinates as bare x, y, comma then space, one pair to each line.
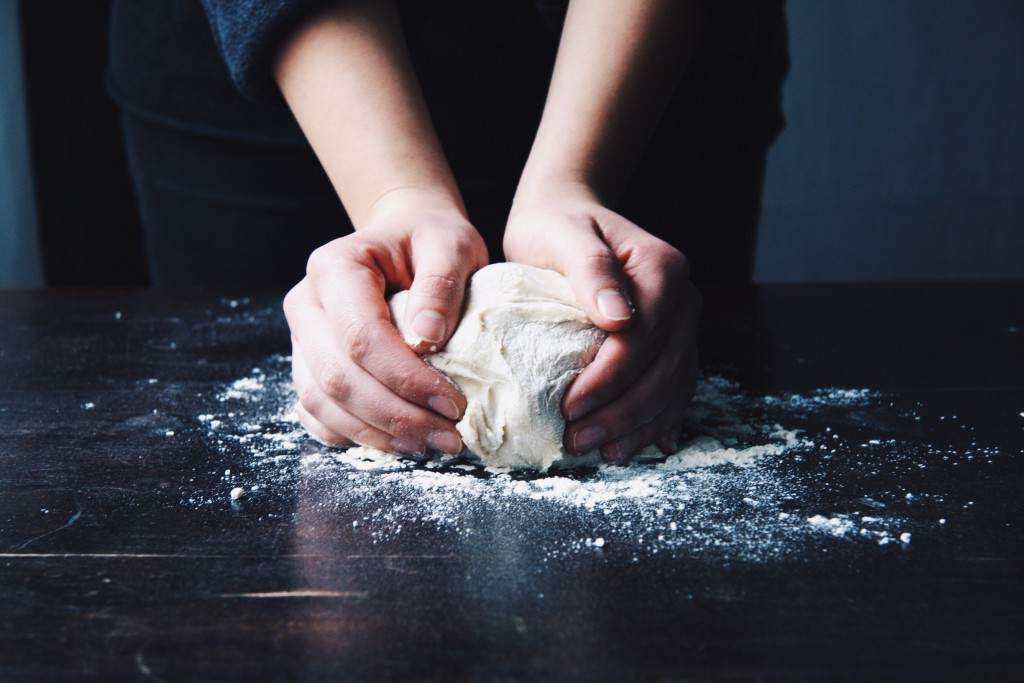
435, 298
596, 277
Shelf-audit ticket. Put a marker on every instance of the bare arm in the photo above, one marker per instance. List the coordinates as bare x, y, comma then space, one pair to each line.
617, 65
347, 78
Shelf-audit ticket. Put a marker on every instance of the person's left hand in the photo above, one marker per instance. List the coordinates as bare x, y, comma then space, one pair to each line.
636, 287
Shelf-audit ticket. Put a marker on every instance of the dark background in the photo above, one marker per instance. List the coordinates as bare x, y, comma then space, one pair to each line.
903, 157
88, 231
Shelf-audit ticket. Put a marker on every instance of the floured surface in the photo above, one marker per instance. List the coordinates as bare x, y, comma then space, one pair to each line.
747, 486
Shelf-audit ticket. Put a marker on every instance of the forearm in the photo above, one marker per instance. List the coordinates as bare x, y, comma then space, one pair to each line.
618, 63
347, 78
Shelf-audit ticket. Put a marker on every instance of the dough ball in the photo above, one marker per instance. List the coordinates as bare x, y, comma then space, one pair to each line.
521, 340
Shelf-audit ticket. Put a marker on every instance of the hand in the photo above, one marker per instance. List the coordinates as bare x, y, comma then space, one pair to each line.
636, 287
357, 380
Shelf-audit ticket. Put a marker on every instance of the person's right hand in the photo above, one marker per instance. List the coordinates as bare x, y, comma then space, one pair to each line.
357, 380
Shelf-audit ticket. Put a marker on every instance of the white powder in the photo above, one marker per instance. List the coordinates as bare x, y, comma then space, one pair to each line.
837, 526
246, 387
749, 484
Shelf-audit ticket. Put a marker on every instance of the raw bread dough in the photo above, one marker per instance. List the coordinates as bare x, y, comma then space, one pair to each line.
522, 338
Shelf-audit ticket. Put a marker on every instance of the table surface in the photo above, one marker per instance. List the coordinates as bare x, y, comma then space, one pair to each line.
123, 556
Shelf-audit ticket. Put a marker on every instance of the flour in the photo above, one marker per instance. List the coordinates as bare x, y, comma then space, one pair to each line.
759, 478
246, 386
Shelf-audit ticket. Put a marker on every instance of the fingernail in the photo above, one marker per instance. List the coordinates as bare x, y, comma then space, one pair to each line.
404, 447
588, 438
619, 451
429, 326
446, 442
673, 441
581, 408
444, 406
613, 305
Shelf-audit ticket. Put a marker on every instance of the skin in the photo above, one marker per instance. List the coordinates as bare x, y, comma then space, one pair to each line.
347, 78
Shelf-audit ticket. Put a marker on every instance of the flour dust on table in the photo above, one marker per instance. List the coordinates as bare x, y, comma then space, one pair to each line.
776, 477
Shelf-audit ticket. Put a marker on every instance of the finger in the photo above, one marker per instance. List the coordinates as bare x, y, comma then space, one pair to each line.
336, 393
627, 431
594, 273
363, 435
434, 304
301, 383
625, 448
321, 432
328, 437
651, 400
625, 356
336, 383
665, 387
668, 443
334, 426
347, 318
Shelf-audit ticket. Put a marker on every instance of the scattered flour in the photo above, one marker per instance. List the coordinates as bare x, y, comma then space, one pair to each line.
246, 387
754, 480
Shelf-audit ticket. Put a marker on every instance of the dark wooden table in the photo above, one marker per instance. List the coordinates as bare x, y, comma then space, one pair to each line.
123, 557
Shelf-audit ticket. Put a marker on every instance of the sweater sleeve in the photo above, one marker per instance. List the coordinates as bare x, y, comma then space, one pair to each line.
249, 33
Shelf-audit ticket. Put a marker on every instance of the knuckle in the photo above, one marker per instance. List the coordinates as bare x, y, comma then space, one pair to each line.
675, 264
629, 422
332, 439
662, 258
325, 258
309, 397
320, 432
473, 252
399, 424
602, 261
364, 435
359, 251
291, 303
360, 337
318, 259
407, 385
618, 421
333, 380
464, 241
444, 288
288, 304
515, 244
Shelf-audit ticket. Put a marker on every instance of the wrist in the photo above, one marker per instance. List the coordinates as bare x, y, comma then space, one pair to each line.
536, 188
441, 200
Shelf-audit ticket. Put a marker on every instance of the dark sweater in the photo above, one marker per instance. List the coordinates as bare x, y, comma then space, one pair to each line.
206, 64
